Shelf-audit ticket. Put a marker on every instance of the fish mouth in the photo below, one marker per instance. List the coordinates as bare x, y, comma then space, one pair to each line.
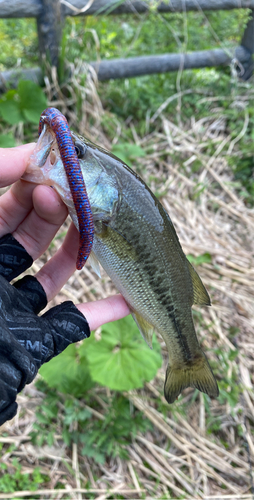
44, 157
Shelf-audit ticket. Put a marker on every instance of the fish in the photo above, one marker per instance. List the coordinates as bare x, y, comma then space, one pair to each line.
136, 243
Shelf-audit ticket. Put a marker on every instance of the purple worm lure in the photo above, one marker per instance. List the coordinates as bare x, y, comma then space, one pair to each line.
57, 121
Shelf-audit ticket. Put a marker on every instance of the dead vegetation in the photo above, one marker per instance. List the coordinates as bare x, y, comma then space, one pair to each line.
186, 455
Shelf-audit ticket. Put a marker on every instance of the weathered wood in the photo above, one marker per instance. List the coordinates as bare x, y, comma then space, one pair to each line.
145, 65
49, 27
248, 43
20, 8
248, 36
137, 66
33, 8
102, 6
9, 79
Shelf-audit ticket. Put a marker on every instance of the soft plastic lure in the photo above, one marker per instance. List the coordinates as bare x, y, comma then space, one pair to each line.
58, 123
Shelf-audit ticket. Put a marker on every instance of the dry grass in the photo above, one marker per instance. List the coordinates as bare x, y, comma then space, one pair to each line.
183, 457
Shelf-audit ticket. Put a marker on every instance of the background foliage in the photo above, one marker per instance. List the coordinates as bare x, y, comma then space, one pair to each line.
134, 99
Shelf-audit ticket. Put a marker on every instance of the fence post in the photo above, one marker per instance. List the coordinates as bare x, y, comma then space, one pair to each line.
49, 26
248, 43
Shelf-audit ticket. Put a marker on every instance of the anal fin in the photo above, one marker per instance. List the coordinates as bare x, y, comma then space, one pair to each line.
200, 294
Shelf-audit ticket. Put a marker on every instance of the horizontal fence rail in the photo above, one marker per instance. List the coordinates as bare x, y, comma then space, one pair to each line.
137, 66
50, 16
145, 65
11, 78
34, 8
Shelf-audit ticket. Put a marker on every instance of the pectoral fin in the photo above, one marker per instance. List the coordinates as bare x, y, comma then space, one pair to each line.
94, 263
145, 328
200, 294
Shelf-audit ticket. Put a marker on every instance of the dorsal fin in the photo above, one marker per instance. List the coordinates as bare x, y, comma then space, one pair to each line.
200, 294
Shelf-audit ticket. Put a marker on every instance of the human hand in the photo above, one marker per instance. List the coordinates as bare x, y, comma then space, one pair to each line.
32, 215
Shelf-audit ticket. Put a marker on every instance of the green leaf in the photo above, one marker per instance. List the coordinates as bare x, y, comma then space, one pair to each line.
10, 112
32, 100
127, 152
121, 360
7, 141
200, 259
50, 438
32, 115
91, 452
67, 372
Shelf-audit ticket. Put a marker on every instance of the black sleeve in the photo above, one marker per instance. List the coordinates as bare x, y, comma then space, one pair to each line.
27, 340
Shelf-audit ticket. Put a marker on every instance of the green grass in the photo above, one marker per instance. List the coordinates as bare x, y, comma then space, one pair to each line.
98, 438
13, 479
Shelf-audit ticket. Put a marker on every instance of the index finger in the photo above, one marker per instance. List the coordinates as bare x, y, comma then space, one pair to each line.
13, 162
104, 311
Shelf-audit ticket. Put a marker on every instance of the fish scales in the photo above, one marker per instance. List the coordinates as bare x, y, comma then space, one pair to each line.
137, 245
159, 302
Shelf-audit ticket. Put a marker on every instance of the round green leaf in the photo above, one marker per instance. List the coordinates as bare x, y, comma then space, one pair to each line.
68, 372
121, 360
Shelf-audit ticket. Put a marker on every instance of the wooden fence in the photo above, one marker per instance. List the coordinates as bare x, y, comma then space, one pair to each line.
50, 15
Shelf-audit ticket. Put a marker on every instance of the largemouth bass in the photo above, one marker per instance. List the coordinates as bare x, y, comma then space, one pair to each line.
137, 245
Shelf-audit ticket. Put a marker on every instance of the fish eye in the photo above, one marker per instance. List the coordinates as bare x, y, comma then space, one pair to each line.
80, 150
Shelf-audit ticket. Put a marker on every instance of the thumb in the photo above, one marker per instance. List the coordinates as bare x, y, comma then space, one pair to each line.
13, 162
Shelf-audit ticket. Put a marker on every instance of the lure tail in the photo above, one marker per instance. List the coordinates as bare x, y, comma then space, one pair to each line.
196, 374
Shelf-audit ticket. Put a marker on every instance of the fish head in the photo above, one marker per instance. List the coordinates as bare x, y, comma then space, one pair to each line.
45, 166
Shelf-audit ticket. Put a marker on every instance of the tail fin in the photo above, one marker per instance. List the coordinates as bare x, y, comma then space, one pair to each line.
198, 375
